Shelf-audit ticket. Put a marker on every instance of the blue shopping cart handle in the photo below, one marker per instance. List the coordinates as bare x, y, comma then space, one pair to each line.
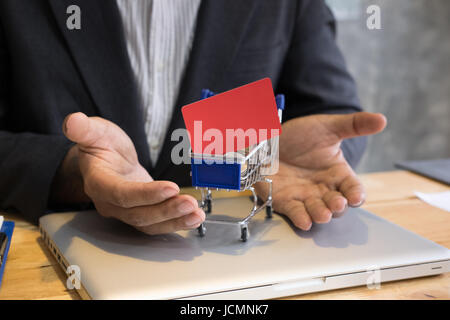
279, 99
206, 93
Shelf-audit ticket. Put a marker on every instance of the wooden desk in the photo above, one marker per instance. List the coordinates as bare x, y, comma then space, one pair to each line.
32, 273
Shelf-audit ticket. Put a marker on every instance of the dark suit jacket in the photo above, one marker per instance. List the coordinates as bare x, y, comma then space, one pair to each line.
48, 71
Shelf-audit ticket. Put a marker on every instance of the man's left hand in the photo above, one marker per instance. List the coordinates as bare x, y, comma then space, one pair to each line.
314, 182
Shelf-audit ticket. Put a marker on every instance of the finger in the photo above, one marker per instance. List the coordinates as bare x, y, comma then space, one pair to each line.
317, 209
353, 191
356, 124
127, 194
173, 208
190, 221
305, 191
295, 211
336, 202
83, 130
96, 132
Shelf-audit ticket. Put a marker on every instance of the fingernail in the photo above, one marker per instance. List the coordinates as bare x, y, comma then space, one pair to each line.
192, 220
169, 192
186, 207
358, 204
343, 210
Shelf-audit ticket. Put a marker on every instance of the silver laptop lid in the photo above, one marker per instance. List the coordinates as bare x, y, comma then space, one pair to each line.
117, 262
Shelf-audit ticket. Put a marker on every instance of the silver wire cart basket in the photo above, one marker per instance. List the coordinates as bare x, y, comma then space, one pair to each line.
236, 171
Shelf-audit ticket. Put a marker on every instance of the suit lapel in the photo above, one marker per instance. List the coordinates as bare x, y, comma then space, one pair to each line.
99, 51
218, 34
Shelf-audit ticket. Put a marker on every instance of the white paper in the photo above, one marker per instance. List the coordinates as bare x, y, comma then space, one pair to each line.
438, 199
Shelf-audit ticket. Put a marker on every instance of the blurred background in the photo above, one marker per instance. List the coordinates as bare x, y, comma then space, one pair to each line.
402, 71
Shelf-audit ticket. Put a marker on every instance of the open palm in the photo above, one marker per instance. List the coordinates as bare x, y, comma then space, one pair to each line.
314, 182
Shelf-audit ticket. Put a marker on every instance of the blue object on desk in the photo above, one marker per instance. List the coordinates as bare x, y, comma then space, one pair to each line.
7, 228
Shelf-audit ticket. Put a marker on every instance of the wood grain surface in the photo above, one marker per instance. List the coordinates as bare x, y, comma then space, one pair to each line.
31, 271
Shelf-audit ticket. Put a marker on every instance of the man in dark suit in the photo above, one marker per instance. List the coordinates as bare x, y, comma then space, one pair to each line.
49, 73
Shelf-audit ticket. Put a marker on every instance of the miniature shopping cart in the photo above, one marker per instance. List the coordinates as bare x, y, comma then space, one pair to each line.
236, 171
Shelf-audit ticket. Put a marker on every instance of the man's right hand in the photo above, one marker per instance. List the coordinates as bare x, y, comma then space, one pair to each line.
118, 185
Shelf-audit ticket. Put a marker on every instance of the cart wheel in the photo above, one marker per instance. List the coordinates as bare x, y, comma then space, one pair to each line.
201, 230
269, 211
208, 206
244, 234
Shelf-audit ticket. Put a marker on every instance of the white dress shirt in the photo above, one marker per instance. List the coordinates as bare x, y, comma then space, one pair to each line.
159, 36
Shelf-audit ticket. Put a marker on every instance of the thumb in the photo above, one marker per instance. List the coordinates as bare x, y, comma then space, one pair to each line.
357, 124
83, 130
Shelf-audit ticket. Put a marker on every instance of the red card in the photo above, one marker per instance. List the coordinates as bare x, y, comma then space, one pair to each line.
233, 120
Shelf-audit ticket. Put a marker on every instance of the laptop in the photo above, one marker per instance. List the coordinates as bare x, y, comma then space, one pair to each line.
278, 260
438, 169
